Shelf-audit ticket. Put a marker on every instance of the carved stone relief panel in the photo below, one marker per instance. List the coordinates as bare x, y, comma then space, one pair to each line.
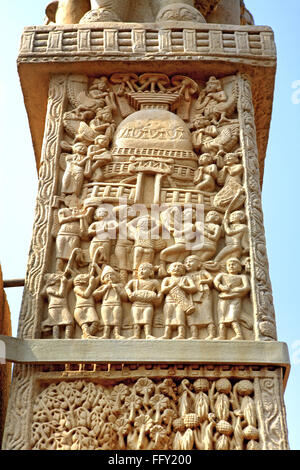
149, 189
215, 411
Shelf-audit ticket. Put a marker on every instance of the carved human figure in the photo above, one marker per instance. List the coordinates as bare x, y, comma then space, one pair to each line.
99, 156
201, 129
85, 312
178, 303
112, 293
77, 168
186, 231
56, 290
123, 244
202, 299
212, 233
232, 286
213, 102
236, 236
72, 221
101, 232
230, 177
102, 126
212, 139
144, 293
143, 230
86, 104
207, 173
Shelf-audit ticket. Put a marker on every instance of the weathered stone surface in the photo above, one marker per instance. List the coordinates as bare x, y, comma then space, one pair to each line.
147, 320
5, 368
85, 49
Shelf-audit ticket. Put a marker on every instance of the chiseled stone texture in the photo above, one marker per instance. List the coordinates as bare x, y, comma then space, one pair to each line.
5, 369
148, 251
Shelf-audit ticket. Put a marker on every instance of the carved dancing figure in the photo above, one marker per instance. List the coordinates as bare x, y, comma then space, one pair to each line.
144, 293
112, 293
85, 312
232, 286
202, 299
178, 302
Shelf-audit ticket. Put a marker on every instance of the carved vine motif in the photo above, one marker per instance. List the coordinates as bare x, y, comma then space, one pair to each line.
47, 187
260, 271
275, 435
17, 428
155, 415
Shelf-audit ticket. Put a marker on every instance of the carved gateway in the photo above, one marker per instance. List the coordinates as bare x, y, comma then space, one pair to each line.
143, 228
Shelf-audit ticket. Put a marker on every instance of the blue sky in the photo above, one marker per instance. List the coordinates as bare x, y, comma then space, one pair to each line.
18, 184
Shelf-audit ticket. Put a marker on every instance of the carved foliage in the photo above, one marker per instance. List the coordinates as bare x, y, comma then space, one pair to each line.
155, 415
262, 292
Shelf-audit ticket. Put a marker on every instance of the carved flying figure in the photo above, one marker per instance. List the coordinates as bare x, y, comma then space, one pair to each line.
102, 128
99, 156
87, 102
214, 104
212, 139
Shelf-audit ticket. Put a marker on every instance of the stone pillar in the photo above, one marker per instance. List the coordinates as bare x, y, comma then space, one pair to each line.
148, 319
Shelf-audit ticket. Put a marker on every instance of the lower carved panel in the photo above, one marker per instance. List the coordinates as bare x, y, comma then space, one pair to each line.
214, 409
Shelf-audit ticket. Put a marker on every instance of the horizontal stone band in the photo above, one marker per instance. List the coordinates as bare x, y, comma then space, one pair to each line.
142, 352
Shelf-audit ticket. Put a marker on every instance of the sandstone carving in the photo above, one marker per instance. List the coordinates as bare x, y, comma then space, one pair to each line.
201, 414
121, 207
147, 310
